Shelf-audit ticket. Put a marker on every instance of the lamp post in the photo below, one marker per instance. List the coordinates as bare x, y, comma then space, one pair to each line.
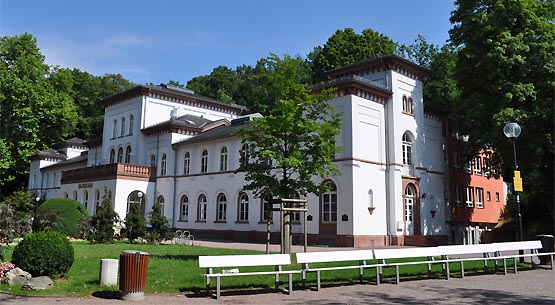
512, 131
37, 200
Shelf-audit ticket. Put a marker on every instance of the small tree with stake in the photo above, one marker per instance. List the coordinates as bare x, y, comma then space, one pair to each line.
134, 223
159, 227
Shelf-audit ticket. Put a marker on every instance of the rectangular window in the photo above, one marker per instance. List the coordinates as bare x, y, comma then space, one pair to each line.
479, 198
487, 167
497, 196
266, 211
467, 165
488, 196
477, 165
458, 195
457, 161
469, 196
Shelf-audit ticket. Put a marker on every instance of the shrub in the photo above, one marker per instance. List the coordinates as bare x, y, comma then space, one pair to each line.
103, 222
62, 215
44, 253
159, 227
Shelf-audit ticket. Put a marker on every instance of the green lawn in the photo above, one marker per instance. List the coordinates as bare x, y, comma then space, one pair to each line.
174, 268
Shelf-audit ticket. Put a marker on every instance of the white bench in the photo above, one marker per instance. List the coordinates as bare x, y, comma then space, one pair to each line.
453, 253
532, 245
382, 255
226, 261
307, 258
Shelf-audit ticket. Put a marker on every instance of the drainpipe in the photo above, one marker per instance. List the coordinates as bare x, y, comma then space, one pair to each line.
387, 162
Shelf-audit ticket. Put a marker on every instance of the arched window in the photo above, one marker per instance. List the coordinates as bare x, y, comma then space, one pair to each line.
120, 155
329, 203
131, 122
407, 149
184, 210
135, 197
163, 165
245, 151
128, 154
74, 195
115, 129
122, 131
66, 195
161, 202
202, 206
86, 199
243, 208
152, 161
112, 156
223, 159
96, 200
187, 163
407, 105
221, 209
409, 203
204, 161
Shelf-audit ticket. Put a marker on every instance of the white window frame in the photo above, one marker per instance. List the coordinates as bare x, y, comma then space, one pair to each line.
479, 198
243, 215
187, 163
478, 165
204, 161
469, 196
163, 165
329, 204
223, 159
184, 208
202, 207
407, 149
221, 208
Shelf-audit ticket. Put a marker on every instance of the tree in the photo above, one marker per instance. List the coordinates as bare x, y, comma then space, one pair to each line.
293, 144
505, 71
440, 88
134, 223
346, 47
159, 227
103, 221
34, 112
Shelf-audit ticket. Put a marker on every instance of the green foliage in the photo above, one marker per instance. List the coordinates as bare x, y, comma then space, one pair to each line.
505, 71
159, 227
62, 215
293, 144
103, 222
44, 253
34, 111
346, 47
13, 224
134, 223
22, 202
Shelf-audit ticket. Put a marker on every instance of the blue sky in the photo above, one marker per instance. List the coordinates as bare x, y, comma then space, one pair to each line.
154, 41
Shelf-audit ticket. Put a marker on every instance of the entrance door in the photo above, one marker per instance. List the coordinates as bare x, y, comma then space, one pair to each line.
328, 215
409, 210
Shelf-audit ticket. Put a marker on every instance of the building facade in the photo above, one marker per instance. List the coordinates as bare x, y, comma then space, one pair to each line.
168, 145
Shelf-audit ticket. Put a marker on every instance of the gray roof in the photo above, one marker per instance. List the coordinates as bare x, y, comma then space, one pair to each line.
213, 134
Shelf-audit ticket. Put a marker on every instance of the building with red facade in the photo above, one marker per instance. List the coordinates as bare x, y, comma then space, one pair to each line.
476, 192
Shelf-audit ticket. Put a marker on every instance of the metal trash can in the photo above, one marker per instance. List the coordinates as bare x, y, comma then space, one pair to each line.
108, 271
548, 245
133, 266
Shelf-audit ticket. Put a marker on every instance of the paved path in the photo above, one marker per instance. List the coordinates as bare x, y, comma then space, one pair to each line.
526, 287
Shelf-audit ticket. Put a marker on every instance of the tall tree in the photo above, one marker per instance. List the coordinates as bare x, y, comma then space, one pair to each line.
293, 144
35, 107
346, 47
506, 73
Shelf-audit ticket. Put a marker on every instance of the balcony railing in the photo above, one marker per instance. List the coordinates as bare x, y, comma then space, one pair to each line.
107, 172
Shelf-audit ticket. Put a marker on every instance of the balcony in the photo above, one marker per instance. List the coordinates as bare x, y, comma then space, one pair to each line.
109, 172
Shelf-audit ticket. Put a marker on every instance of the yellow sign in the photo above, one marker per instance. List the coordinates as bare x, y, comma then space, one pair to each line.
517, 182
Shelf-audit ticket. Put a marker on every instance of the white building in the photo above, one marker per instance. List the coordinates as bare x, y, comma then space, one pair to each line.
170, 145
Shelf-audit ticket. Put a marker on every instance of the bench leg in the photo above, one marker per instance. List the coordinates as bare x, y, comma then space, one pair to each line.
462, 269
516, 266
318, 279
378, 274
361, 275
277, 281
303, 282
447, 271
397, 273
505, 266
551, 256
218, 288
429, 270
290, 283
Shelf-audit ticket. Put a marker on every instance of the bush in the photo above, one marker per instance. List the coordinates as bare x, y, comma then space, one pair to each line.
103, 222
134, 223
62, 215
159, 227
44, 253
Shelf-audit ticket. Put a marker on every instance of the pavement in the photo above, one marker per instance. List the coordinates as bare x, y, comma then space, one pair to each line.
535, 286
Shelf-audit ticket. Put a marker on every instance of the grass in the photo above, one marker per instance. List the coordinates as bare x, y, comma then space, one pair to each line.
174, 268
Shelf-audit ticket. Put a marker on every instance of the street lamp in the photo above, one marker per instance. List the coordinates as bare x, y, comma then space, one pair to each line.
37, 200
512, 131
